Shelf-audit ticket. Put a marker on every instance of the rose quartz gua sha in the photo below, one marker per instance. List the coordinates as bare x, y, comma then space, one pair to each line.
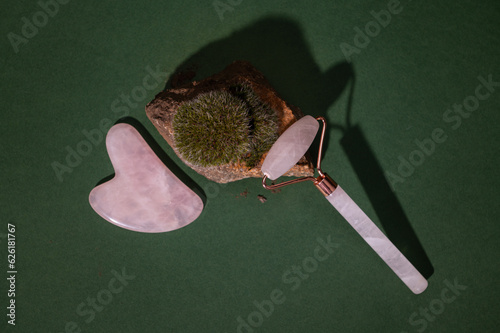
144, 195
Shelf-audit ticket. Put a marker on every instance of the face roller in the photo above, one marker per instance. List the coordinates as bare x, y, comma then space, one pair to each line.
288, 150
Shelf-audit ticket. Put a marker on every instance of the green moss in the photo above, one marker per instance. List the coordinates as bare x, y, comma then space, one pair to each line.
220, 127
263, 123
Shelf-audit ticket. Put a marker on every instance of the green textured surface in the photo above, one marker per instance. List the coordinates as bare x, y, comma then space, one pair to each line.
69, 76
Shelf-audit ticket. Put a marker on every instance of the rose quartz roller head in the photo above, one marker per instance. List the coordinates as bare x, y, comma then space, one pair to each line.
287, 151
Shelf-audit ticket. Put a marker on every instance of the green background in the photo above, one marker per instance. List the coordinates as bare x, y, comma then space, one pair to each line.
68, 78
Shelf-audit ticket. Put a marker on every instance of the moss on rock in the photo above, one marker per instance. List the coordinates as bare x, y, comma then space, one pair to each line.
221, 127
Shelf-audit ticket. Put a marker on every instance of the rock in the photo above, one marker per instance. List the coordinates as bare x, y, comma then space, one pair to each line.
162, 109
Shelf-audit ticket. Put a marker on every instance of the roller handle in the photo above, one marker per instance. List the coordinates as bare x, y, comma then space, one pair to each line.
377, 240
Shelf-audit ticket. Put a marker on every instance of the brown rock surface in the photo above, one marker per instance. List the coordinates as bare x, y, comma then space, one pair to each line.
162, 109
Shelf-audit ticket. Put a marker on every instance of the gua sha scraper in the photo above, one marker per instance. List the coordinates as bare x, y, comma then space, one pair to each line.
287, 151
144, 195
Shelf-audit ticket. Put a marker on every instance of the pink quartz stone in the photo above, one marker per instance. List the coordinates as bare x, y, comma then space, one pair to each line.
144, 195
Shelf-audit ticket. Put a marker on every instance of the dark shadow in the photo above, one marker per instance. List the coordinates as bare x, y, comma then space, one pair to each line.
383, 199
276, 47
387, 207
344, 73
169, 163
105, 179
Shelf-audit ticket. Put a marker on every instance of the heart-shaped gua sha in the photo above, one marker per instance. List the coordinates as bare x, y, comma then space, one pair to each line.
144, 195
